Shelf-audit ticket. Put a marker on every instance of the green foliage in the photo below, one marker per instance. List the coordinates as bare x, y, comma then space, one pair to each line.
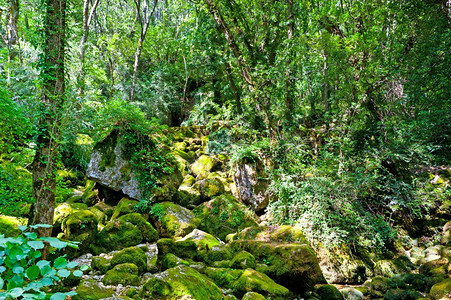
219, 141
157, 211
24, 274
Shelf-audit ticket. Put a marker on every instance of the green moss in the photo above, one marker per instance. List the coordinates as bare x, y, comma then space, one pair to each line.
202, 166
253, 296
125, 206
183, 249
101, 264
220, 254
9, 226
188, 181
149, 233
203, 240
89, 196
223, 277
329, 292
378, 286
133, 255
253, 281
125, 274
441, 290
106, 147
170, 261
399, 294
180, 282
79, 222
89, 290
223, 215
101, 217
176, 221
105, 208
243, 260
211, 187
116, 235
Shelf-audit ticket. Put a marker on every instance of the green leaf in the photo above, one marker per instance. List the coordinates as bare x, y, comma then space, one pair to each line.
84, 267
77, 273
22, 228
40, 226
15, 292
60, 262
18, 269
2, 283
72, 264
62, 296
46, 281
36, 244
54, 242
64, 273
31, 235
33, 272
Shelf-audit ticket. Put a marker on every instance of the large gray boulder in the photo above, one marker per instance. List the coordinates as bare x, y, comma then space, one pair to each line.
110, 167
251, 185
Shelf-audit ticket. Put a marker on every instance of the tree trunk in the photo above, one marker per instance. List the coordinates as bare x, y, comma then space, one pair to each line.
51, 102
12, 34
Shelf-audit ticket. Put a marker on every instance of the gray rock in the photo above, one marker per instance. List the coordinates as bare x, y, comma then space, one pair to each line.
251, 188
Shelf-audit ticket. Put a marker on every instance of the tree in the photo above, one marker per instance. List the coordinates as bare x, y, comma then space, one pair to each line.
52, 98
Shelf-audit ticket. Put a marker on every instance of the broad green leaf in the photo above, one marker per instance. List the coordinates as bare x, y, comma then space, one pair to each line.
33, 272
2, 283
42, 263
84, 267
46, 281
2, 269
60, 263
72, 264
40, 226
15, 292
63, 273
54, 242
22, 227
18, 269
77, 273
31, 235
36, 245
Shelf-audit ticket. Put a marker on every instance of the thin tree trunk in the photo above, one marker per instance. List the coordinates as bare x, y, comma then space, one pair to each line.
12, 34
51, 102
87, 19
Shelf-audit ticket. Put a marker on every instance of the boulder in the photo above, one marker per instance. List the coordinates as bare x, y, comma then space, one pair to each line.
224, 215
202, 166
9, 226
377, 286
294, 265
252, 185
80, 226
125, 274
101, 264
388, 268
350, 293
243, 260
329, 292
209, 187
253, 296
171, 261
253, 281
131, 255
185, 249
125, 206
89, 289
175, 220
181, 282
446, 238
203, 240
441, 290
223, 277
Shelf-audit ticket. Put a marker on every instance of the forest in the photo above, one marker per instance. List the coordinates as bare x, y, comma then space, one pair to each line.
225, 149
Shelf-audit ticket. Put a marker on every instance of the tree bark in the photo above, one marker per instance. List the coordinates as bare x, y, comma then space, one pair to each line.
52, 98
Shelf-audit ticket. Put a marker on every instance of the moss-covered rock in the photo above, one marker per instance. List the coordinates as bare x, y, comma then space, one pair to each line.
170, 261
176, 221
181, 282
188, 181
108, 210
125, 231
203, 240
329, 292
209, 187
125, 206
435, 267
148, 233
446, 238
377, 286
388, 268
218, 253
293, 265
133, 255
101, 264
90, 290
223, 277
63, 210
202, 166
125, 274
441, 290
183, 249
400, 294
273, 234
79, 222
243, 260
187, 197
224, 215
9, 226
253, 296
101, 216
253, 281
90, 195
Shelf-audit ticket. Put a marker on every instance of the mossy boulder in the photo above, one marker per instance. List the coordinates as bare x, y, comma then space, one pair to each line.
125, 274
170, 261
188, 181
107, 209
435, 267
101, 264
243, 260
209, 187
202, 166
350, 293
184, 249
293, 265
203, 240
133, 255
400, 294
329, 292
272, 234
79, 222
223, 277
176, 221
187, 197
441, 290
253, 281
101, 216
9, 226
89, 289
125, 231
181, 282
377, 286
253, 296
388, 268
446, 238
125, 206
218, 253
224, 215
90, 195
63, 210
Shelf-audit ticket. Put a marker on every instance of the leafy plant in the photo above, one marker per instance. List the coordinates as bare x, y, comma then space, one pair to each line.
24, 274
